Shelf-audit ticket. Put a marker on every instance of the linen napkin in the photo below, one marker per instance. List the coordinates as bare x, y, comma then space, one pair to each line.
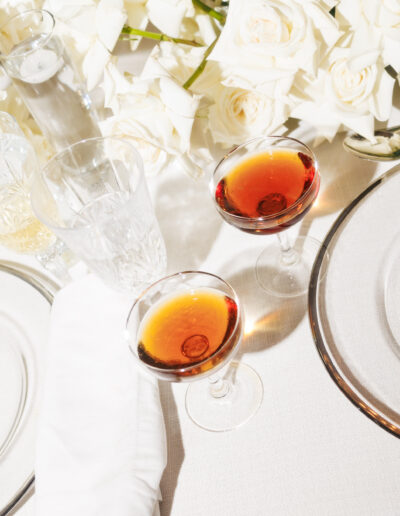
100, 447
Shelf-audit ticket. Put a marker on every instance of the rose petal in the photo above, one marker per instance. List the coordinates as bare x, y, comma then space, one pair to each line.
77, 16
389, 17
94, 63
166, 16
152, 67
5, 80
181, 106
320, 116
391, 50
349, 11
114, 83
358, 62
268, 81
325, 23
110, 18
67, 9
362, 124
137, 17
206, 28
382, 100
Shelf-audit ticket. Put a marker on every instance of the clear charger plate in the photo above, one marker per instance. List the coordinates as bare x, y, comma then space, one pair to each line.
355, 310
25, 302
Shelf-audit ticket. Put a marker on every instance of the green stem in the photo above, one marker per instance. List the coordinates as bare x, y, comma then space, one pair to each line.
210, 11
159, 37
201, 66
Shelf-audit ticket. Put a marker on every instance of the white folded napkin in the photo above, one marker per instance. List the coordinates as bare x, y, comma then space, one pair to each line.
101, 446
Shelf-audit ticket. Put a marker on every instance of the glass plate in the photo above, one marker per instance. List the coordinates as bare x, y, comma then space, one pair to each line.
25, 302
355, 310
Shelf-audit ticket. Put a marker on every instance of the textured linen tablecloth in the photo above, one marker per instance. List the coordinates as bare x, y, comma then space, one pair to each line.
307, 451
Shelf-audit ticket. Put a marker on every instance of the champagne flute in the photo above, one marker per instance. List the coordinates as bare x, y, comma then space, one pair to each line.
186, 327
264, 186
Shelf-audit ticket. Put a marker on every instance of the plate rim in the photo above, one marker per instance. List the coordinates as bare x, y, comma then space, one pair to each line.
322, 349
48, 288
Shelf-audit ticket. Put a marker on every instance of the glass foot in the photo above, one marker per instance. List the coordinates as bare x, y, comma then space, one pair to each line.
241, 402
283, 280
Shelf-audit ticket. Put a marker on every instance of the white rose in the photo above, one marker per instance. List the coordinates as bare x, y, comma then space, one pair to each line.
359, 83
381, 19
9, 8
351, 89
179, 62
238, 115
155, 159
157, 108
91, 30
271, 38
168, 15
381, 13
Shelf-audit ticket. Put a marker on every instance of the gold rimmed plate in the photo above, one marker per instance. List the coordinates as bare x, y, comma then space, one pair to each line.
354, 311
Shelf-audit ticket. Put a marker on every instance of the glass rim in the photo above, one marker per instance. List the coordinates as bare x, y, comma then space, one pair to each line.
183, 369
278, 213
42, 174
5, 57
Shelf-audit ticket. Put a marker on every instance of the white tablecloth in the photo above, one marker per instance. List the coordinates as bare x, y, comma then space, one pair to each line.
308, 451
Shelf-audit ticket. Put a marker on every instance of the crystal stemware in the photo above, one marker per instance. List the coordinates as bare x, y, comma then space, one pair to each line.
262, 187
20, 230
94, 196
186, 327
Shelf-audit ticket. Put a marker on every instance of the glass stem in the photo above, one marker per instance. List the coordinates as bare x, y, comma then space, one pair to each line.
218, 387
288, 255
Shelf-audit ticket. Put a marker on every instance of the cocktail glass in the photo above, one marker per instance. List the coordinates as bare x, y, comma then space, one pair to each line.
265, 186
186, 327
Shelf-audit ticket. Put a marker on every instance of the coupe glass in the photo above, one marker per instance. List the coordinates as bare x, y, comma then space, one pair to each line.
188, 326
20, 230
94, 196
265, 186
36, 60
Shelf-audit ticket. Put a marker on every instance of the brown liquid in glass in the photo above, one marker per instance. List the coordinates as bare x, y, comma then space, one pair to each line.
186, 329
265, 184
